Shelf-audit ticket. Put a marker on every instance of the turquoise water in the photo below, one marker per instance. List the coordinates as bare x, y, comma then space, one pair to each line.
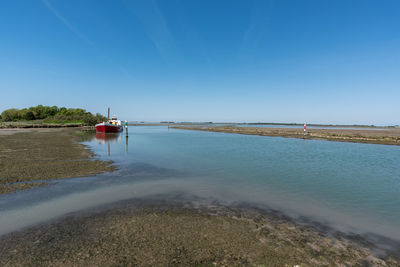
352, 187
332, 181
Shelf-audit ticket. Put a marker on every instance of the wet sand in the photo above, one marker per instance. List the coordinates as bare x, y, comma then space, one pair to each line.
29, 156
153, 233
372, 136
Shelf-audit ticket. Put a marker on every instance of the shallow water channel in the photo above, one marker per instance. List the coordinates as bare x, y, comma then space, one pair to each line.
348, 186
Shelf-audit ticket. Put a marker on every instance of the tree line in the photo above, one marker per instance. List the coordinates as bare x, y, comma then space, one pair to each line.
51, 114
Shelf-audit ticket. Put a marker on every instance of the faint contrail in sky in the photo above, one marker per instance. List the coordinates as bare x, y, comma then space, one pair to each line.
81, 35
258, 24
67, 23
155, 26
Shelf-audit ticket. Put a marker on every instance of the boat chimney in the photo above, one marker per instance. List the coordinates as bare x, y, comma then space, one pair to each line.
108, 114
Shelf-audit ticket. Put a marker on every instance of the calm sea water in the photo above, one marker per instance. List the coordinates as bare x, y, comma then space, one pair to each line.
352, 187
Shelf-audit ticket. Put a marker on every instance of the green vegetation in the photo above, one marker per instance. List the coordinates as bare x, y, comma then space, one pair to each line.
52, 114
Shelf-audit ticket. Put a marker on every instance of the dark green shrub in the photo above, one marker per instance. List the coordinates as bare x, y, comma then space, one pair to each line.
26, 114
10, 114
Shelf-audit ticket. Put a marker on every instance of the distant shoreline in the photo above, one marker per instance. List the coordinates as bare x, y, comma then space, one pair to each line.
261, 123
316, 125
384, 137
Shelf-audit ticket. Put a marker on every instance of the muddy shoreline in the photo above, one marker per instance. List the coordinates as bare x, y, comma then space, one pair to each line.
33, 124
27, 157
384, 137
154, 232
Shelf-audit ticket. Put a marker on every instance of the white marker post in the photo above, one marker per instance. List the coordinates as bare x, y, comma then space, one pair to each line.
305, 129
126, 136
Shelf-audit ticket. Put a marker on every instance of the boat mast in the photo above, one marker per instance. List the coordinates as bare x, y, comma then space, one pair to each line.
108, 114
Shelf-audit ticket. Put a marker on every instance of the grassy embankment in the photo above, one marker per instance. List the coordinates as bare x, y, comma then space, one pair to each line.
27, 156
384, 136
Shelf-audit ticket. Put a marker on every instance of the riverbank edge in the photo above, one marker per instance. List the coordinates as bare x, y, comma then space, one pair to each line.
44, 125
84, 155
321, 134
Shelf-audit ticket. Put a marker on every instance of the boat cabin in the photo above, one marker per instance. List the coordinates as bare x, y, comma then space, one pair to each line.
115, 121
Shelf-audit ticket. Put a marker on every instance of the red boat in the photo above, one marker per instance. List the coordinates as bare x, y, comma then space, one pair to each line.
111, 126
107, 127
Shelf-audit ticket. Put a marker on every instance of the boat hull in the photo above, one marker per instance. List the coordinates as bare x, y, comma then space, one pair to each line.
108, 128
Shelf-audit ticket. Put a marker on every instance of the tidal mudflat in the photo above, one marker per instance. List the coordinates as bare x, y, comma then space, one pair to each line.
159, 233
29, 156
189, 197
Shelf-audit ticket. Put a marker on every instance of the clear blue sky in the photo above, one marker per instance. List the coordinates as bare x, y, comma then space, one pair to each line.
197, 60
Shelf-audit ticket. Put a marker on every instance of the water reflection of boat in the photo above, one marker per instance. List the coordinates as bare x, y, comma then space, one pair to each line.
107, 137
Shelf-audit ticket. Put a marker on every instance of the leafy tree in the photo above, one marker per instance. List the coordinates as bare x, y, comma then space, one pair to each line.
26, 114
10, 114
38, 111
50, 111
62, 110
